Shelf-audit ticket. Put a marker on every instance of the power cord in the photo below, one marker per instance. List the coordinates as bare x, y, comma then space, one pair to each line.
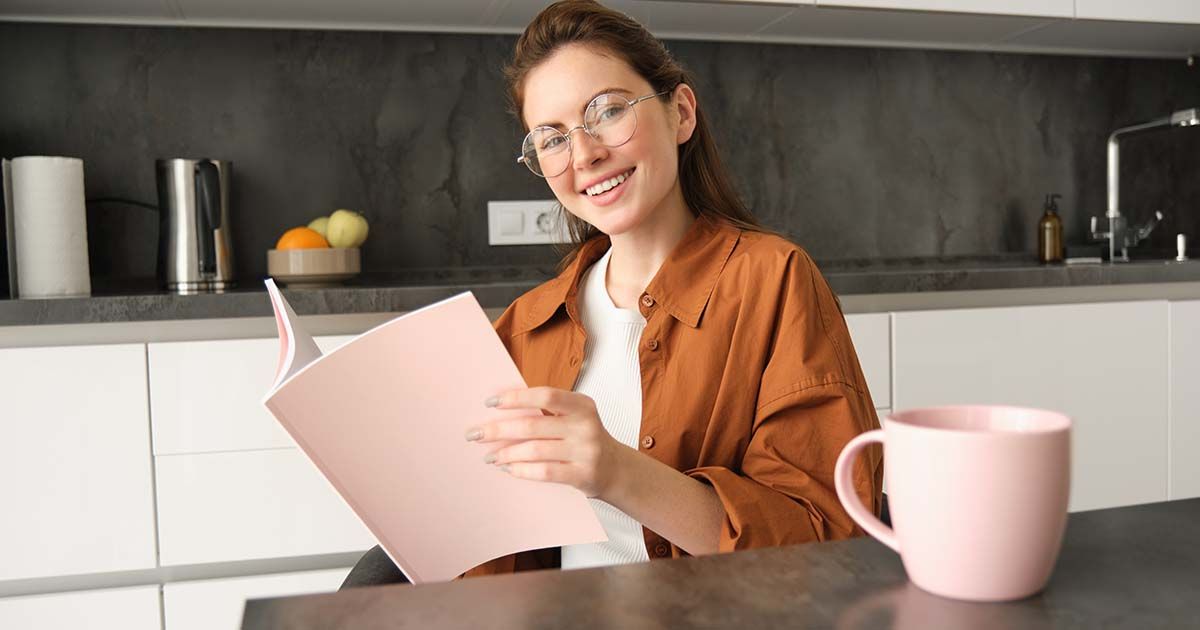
121, 200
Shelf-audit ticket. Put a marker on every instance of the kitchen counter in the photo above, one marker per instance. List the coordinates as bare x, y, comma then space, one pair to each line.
1131, 567
868, 285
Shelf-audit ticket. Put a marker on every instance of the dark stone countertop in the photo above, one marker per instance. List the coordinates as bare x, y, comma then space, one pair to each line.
496, 287
1132, 567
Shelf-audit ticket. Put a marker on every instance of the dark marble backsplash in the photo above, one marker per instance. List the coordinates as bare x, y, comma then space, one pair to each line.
858, 153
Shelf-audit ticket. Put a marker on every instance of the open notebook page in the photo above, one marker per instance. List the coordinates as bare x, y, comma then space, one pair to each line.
383, 418
296, 347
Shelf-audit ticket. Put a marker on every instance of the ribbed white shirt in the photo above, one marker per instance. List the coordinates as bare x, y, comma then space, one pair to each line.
612, 376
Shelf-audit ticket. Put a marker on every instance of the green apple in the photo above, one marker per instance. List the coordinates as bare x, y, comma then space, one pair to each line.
320, 225
346, 228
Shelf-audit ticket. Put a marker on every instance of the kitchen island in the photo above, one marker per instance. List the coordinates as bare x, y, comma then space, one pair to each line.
1130, 567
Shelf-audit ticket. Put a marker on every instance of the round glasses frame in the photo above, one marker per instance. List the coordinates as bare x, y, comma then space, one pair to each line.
530, 161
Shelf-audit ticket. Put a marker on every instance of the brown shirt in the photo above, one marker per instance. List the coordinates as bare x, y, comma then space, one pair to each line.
750, 383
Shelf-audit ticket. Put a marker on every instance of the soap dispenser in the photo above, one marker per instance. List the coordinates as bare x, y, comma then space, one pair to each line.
1050, 245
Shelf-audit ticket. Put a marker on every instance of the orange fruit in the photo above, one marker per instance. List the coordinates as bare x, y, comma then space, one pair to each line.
301, 238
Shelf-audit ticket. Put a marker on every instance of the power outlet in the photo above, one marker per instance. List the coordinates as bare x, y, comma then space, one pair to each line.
525, 223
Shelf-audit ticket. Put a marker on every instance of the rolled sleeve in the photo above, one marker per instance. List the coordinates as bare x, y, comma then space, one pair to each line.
784, 492
811, 401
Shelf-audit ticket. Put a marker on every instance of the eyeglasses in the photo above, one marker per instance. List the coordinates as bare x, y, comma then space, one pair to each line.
609, 119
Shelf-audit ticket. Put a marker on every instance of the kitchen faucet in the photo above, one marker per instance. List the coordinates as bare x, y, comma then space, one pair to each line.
1120, 235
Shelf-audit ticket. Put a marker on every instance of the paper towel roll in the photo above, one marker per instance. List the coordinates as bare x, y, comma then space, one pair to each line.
50, 227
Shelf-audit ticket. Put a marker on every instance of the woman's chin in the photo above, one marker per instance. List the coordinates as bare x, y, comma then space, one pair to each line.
614, 225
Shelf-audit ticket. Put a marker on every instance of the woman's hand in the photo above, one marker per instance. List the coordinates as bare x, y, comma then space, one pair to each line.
570, 445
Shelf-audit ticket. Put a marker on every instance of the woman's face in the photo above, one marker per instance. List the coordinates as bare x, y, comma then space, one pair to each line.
556, 94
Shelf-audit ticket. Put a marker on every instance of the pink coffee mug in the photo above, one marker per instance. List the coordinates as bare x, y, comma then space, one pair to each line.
977, 495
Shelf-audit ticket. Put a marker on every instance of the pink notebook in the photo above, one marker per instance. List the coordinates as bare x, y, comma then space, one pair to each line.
383, 418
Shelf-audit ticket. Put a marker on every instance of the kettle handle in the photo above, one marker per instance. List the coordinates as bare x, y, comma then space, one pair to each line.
208, 213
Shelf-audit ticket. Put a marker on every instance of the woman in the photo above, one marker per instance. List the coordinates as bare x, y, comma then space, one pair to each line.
689, 371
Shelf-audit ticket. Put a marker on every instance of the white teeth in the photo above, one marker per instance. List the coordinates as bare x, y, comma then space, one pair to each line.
608, 184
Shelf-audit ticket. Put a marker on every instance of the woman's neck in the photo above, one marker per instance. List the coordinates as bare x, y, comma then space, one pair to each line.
638, 253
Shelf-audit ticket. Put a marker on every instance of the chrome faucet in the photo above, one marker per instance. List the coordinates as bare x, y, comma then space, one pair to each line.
1120, 235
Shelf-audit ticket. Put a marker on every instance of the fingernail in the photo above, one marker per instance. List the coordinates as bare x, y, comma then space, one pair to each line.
492, 402
474, 434
490, 458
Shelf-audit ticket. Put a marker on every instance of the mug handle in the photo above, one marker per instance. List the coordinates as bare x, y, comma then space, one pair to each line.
842, 481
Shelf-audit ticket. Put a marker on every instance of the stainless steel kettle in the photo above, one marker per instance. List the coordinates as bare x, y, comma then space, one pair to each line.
195, 249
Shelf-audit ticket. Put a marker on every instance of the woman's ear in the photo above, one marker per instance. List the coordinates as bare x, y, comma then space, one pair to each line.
684, 102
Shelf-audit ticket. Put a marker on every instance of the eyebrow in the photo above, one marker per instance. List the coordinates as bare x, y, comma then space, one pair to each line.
560, 126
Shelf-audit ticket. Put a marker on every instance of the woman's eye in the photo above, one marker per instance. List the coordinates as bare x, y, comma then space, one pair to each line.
552, 142
610, 112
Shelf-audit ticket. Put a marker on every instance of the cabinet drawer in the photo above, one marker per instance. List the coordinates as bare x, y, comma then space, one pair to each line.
107, 609
871, 334
218, 507
206, 396
218, 604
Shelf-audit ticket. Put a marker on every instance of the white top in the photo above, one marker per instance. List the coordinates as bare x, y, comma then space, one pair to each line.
612, 376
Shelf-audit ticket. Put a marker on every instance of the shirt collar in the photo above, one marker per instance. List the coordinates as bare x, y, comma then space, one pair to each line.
682, 285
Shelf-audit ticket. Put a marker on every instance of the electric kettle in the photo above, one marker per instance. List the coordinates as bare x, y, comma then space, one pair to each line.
195, 249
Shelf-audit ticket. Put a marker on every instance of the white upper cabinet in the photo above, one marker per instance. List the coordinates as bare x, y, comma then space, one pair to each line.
89, 10
866, 27
1043, 8
1036, 26
461, 15
1172, 11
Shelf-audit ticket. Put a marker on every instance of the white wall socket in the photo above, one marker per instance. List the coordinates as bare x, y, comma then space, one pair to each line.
525, 223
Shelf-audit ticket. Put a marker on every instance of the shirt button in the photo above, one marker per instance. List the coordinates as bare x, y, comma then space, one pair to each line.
648, 442
662, 550
647, 301
652, 344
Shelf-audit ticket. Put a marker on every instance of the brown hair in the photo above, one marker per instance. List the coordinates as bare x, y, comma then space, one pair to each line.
705, 183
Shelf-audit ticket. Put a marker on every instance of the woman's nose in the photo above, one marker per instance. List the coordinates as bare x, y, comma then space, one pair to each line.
587, 150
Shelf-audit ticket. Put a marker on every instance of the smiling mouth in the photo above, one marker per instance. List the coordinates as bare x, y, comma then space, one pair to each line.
609, 184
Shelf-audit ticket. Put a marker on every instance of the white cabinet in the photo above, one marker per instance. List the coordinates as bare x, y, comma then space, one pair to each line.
90, 10
218, 604
1185, 400
75, 471
1177, 11
221, 507
1105, 365
107, 609
871, 334
1044, 8
1160, 28
206, 396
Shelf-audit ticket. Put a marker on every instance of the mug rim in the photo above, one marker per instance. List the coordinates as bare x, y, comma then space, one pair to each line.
1055, 421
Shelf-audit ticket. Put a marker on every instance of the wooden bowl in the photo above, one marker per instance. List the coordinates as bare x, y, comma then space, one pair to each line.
316, 267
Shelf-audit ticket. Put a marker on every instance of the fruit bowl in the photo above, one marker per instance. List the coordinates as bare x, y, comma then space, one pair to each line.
313, 267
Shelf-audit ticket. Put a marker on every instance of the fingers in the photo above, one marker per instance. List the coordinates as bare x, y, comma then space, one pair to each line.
557, 472
525, 428
531, 451
557, 401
